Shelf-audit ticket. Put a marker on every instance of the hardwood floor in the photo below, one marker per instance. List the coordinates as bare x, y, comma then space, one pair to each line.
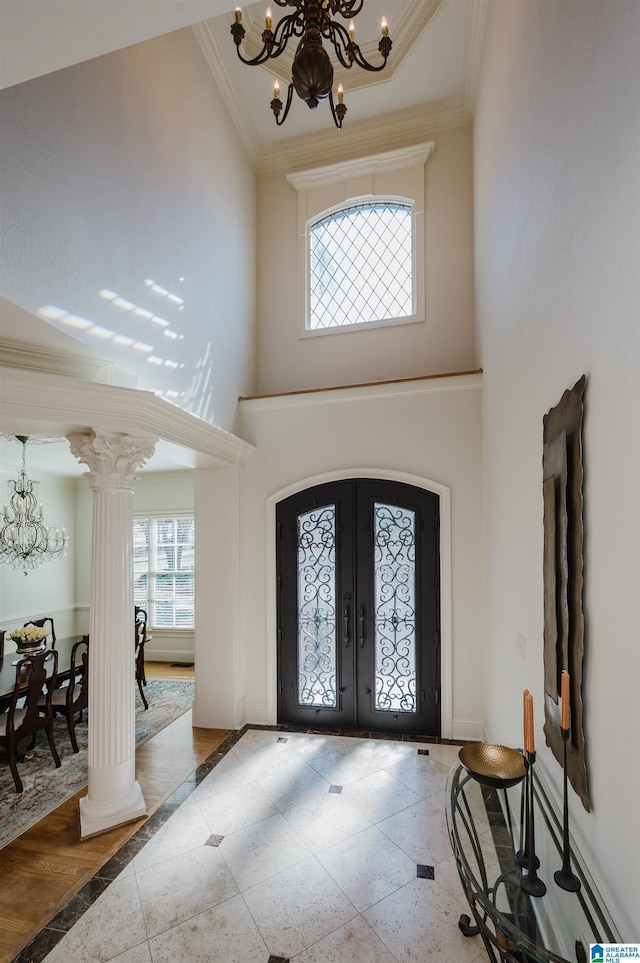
42, 869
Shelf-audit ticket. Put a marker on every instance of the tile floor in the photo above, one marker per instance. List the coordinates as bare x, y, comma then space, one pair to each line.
289, 846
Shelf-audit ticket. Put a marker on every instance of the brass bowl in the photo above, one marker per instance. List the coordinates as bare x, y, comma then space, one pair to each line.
497, 767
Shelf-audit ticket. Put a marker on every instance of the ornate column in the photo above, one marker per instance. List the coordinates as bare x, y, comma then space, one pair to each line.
114, 796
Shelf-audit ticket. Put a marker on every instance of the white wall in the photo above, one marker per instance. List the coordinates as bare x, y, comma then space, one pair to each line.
50, 588
430, 429
557, 240
443, 343
124, 169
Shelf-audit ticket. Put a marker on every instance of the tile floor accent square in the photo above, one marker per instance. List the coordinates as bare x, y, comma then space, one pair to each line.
424, 872
423, 752
335, 789
214, 840
282, 739
278, 959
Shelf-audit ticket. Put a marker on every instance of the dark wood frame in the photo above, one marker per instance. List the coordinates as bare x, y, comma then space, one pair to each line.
563, 570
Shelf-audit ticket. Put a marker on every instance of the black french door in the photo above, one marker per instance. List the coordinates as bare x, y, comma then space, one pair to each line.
359, 607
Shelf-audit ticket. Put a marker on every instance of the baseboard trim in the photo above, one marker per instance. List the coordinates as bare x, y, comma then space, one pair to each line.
168, 655
467, 730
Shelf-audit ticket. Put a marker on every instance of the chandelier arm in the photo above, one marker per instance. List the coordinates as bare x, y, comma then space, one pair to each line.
346, 8
285, 29
276, 106
337, 111
273, 42
384, 47
342, 43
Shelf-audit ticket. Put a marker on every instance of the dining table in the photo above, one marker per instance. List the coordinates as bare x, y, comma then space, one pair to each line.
8, 666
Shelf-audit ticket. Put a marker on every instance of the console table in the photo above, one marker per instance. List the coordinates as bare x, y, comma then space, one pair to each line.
485, 832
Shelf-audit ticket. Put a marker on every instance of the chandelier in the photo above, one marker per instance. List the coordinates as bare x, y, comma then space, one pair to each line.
25, 539
312, 70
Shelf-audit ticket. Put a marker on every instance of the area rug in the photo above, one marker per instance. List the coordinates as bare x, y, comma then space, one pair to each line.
46, 787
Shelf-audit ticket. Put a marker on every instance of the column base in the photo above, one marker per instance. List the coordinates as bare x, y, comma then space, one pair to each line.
98, 818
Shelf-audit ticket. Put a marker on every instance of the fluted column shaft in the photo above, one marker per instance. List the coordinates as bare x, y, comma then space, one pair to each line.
114, 796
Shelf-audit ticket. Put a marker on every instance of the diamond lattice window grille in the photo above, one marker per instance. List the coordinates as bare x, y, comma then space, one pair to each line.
361, 266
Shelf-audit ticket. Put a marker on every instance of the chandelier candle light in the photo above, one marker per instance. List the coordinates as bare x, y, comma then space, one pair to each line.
25, 538
312, 70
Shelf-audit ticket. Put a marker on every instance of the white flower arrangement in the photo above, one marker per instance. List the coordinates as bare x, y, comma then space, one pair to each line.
28, 634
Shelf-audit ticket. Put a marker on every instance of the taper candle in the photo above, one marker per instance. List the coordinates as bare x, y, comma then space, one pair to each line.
532, 743
565, 699
524, 720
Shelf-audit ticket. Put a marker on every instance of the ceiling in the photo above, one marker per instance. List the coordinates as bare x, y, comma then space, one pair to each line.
429, 79
432, 66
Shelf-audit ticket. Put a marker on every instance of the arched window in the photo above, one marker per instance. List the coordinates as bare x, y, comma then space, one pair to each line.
361, 265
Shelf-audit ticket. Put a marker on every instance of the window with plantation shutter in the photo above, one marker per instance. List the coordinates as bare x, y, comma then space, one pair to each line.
163, 569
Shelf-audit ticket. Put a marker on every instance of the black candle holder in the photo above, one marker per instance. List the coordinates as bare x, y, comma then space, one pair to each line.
523, 855
531, 883
564, 877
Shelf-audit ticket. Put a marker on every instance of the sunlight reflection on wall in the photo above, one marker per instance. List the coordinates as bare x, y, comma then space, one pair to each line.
149, 343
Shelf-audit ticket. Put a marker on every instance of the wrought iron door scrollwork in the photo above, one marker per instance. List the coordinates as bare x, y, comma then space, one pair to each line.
317, 683
395, 608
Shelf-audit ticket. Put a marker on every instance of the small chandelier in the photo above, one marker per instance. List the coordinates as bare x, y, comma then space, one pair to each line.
25, 539
312, 70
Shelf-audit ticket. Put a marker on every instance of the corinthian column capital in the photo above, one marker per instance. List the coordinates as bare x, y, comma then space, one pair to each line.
112, 458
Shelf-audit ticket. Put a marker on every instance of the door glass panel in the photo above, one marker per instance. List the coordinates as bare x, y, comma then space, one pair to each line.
317, 607
394, 546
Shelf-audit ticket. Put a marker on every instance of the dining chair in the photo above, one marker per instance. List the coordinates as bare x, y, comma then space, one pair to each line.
25, 717
141, 637
42, 624
71, 701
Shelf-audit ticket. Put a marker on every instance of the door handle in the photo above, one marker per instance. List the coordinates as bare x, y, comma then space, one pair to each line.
361, 638
347, 600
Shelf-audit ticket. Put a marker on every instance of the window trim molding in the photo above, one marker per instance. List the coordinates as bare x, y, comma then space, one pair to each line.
397, 176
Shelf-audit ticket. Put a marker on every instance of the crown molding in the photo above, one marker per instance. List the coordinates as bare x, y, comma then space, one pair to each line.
238, 113
361, 167
389, 133
473, 51
15, 354
405, 28
32, 402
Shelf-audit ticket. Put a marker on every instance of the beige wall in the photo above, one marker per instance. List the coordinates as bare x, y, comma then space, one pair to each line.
124, 169
443, 343
557, 239
430, 430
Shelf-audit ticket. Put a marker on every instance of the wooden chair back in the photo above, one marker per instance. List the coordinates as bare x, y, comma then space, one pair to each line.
72, 700
44, 623
27, 714
77, 694
140, 621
